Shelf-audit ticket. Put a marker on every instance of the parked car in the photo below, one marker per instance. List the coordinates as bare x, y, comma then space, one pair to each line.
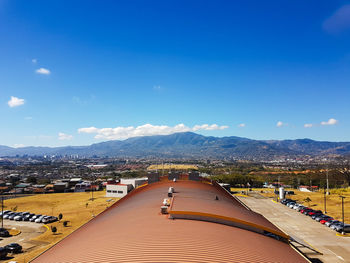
12, 217
5, 212
28, 216
346, 228
324, 220
295, 207
14, 248
49, 219
39, 219
285, 201
300, 208
333, 226
20, 216
342, 227
315, 212
322, 217
6, 216
32, 219
4, 232
331, 222
46, 219
3, 252
305, 209
290, 204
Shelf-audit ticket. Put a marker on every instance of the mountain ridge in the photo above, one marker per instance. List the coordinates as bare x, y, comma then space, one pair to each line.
190, 145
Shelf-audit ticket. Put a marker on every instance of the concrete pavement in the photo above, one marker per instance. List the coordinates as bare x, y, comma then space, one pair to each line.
334, 248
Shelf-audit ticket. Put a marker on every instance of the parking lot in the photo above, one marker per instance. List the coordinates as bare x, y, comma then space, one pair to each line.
334, 248
28, 230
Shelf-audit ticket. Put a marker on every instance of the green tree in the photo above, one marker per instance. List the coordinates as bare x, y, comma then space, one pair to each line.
53, 229
307, 200
31, 180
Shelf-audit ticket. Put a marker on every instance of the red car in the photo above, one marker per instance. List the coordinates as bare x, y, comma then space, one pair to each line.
315, 212
323, 221
305, 209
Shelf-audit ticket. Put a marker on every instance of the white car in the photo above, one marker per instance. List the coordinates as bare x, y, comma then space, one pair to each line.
38, 220
295, 207
290, 205
18, 218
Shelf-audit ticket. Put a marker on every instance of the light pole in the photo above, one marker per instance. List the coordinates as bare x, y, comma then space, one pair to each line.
92, 188
327, 181
2, 210
342, 208
325, 200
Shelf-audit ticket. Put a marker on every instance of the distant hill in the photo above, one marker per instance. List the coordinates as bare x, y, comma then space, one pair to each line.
191, 145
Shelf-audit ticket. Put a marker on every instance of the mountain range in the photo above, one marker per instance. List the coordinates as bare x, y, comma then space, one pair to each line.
191, 145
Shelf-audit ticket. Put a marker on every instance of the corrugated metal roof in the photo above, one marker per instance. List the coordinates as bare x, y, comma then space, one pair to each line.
133, 230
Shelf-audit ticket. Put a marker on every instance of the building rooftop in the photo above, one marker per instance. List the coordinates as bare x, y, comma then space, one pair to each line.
204, 224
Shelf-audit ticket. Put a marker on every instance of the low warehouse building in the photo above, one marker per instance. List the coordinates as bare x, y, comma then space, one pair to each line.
118, 190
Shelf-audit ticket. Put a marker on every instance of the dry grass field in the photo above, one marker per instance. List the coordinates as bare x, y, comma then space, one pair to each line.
77, 208
333, 201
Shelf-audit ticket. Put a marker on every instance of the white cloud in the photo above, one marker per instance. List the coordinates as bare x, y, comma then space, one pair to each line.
15, 102
88, 130
208, 127
331, 121
157, 88
62, 136
18, 145
339, 21
242, 125
308, 125
43, 71
34, 60
280, 124
122, 133
28, 118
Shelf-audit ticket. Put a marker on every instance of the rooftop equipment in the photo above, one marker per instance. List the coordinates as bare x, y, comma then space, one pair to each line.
170, 191
164, 209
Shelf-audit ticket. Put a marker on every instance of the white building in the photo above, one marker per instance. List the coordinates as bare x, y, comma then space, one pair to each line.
124, 187
118, 190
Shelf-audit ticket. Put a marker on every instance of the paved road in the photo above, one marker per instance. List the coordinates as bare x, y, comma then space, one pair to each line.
334, 248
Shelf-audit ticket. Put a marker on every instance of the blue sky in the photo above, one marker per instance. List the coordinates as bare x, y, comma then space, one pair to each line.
79, 72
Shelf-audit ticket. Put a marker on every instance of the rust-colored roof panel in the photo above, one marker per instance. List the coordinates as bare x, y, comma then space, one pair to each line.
133, 230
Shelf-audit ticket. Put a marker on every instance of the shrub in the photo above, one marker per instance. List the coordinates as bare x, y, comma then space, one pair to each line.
53, 229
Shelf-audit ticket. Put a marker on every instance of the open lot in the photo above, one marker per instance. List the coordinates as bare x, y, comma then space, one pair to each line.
334, 248
77, 208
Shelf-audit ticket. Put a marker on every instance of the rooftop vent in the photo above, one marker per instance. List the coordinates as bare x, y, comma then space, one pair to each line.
164, 209
170, 191
166, 202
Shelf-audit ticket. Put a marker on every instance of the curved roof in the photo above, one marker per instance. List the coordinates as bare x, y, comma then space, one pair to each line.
134, 230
